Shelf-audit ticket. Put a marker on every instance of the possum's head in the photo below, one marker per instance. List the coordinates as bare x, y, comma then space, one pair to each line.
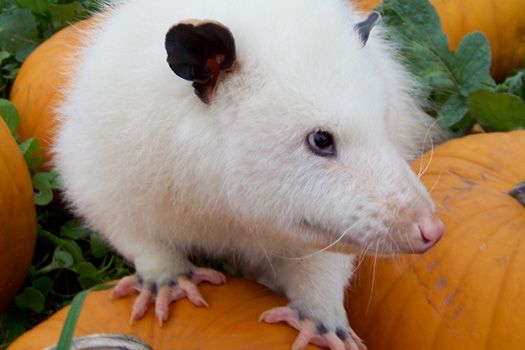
317, 124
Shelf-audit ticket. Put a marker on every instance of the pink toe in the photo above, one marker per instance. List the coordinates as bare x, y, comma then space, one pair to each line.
140, 306
281, 314
125, 286
177, 294
162, 304
208, 275
192, 292
333, 341
304, 337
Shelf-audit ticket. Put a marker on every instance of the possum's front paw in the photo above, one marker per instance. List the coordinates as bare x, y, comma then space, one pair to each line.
165, 291
314, 331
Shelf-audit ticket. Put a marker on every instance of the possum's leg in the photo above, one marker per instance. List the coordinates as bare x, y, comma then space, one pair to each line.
315, 287
164, 276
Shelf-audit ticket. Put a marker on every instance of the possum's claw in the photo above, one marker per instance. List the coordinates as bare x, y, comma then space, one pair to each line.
312, 332
163, 294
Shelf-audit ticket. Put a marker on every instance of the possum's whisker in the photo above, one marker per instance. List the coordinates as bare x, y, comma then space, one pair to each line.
422, 170
435, 182
409, 244
324, 249
362, 257
265, 252
373, 278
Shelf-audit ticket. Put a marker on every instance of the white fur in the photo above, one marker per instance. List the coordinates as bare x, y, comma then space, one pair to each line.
159, 173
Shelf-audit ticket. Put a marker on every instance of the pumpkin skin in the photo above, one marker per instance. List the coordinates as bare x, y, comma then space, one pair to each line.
468, 292
503, 22
38, 86
17, 217
231, 321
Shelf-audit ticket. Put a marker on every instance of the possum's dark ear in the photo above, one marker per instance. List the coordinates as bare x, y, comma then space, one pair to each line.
199, 51
364, 28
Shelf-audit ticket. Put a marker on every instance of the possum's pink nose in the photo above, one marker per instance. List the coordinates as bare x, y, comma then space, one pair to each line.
431, 230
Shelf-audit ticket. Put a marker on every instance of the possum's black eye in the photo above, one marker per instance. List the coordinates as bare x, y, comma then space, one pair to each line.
321, 143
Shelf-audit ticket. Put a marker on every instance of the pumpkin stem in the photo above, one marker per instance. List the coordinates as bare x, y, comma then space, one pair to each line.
518, 192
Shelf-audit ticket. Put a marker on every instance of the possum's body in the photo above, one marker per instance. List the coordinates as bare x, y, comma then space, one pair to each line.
162, 174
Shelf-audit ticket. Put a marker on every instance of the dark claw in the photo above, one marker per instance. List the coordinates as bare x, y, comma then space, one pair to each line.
321, 329
173, 283
154, 289
149, 285
301, 316
342, 334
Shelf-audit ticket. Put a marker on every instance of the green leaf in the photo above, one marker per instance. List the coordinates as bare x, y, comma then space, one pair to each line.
66, 336
12, 71
68, 245
70, 323
13, 323
9, 114
85, 268
4, 55
62, 258
31, 299
88, 274
43, 185
43, 284
452, 111
497, 111
515, 84
18, 31
65, 14
22, 54
74, 229
415, 26
36, 6
99, 247
415, 20
29, 148
472, 66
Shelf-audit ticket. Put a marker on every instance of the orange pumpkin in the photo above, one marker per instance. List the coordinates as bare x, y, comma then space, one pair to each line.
231, 321
38, 85
468, 292
503, 22
17, 217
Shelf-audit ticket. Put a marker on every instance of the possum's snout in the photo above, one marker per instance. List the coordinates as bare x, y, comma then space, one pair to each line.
426, 234
430, 231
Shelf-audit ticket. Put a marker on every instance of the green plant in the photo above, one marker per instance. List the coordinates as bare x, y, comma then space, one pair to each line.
458, 83
24, 24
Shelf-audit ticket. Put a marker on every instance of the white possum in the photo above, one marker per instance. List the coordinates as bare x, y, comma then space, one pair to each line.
273, 133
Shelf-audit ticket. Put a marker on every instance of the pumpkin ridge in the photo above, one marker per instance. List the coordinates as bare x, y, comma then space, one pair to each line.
387, 292
504, 278
400, 306
438, 310
461, 281
461, 159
